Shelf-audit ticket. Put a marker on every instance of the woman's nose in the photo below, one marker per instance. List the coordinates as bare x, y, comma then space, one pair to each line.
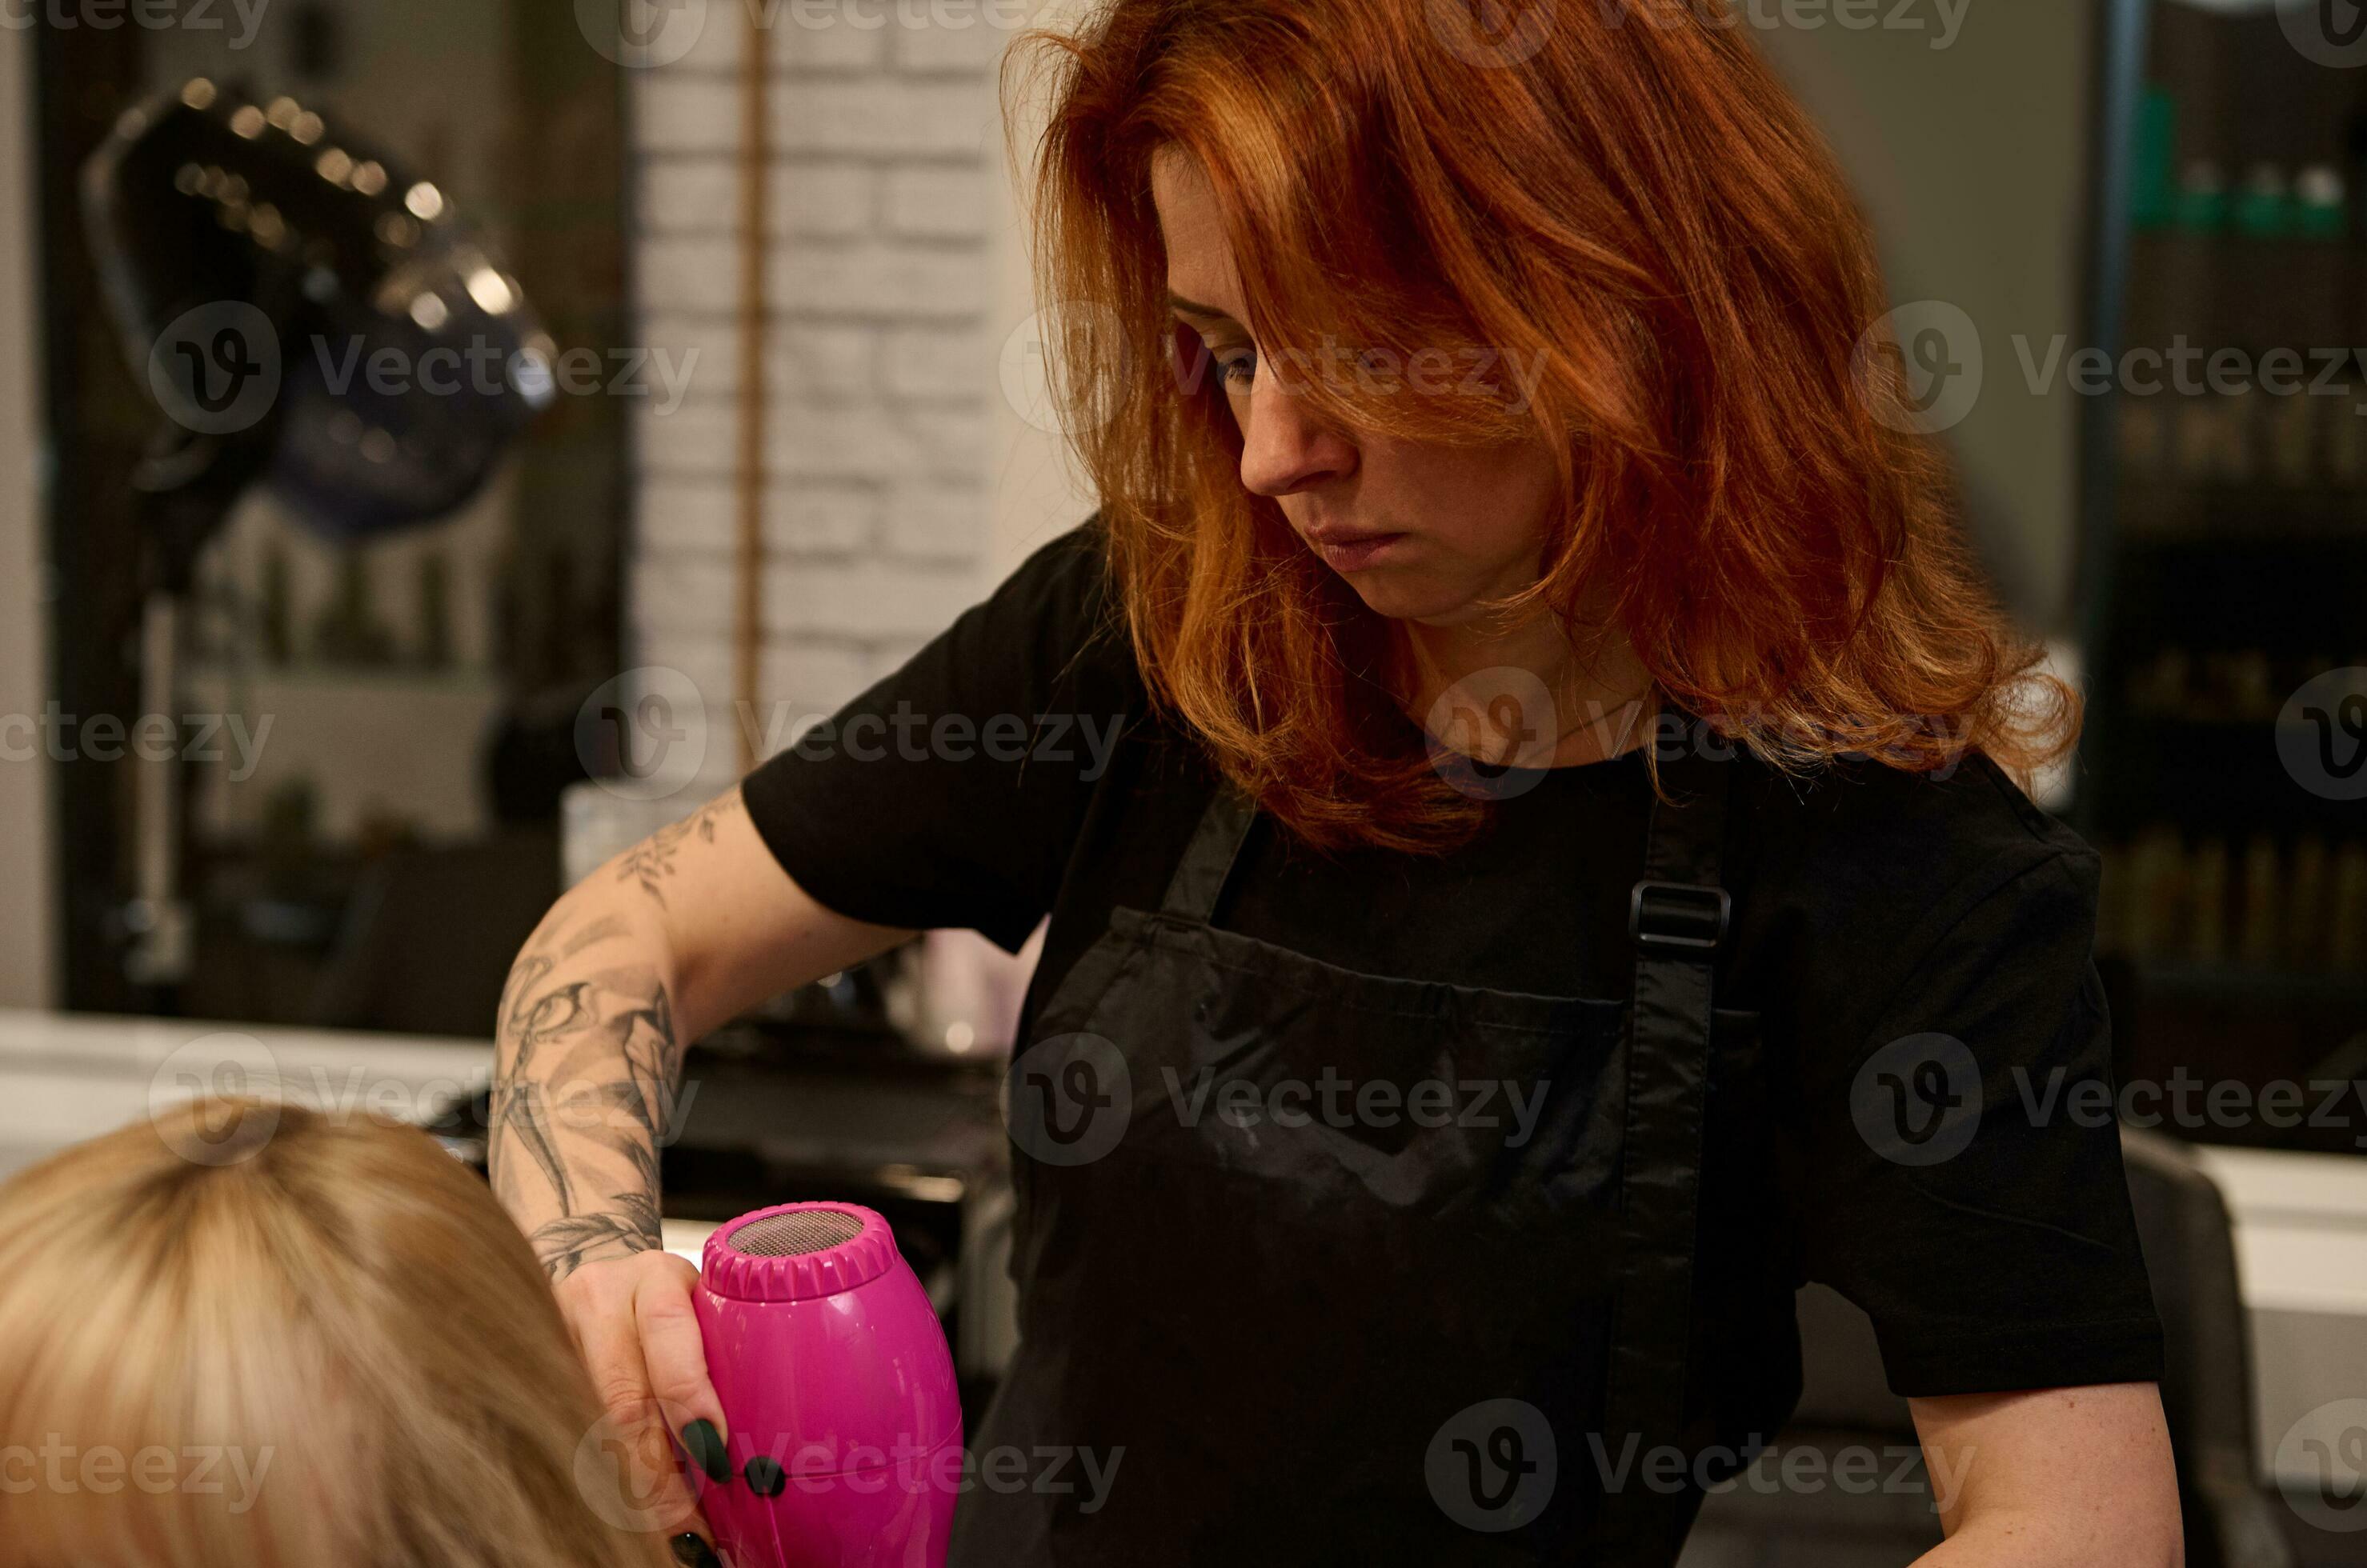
1284, 449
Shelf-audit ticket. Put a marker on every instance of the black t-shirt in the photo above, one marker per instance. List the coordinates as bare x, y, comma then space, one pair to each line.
1012, 769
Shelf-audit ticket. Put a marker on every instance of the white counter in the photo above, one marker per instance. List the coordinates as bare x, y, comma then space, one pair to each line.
2300, 1251
68, 1077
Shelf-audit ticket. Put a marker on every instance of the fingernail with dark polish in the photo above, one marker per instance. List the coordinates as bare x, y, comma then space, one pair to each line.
704, 1444
692, 1551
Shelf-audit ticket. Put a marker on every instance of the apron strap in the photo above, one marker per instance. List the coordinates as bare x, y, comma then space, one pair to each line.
1678, 917
1208, 859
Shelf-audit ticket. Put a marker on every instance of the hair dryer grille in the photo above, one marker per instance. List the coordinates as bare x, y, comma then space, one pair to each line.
794, 1234
795, 1250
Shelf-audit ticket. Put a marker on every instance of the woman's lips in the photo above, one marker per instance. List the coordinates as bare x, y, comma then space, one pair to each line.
1353, 552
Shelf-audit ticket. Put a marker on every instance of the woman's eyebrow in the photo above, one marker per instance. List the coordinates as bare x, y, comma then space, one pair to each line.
1190, 308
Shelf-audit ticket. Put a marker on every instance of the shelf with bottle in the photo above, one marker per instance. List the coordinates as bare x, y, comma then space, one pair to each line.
2293, 598
2198, 168
2153, 514
2275, 210
2287, 439
2280, 909
2224, 687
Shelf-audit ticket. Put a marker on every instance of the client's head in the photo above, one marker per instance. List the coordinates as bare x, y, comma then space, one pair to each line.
243, 1334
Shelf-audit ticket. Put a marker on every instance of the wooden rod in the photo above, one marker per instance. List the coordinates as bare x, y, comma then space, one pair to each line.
748, 620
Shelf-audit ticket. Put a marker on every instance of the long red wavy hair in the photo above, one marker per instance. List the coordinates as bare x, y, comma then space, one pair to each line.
1616, 192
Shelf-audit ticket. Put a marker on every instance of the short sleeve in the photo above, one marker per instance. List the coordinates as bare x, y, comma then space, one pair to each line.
949, 792
1962, 1165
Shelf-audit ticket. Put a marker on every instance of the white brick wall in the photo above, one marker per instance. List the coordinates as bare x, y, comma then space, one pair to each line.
879, 354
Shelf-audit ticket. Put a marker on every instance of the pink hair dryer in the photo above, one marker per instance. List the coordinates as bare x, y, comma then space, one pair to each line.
845, 1424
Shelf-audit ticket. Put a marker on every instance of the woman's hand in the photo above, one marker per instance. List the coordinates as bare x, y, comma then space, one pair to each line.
635, 1330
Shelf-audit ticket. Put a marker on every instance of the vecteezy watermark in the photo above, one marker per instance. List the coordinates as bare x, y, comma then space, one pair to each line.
1371, 370
630, 1484
1854, 1468
817, 1468
215, 369
1490, 34
151, 15
2327, 32
1491, 1466
1070, 1097
641, 34
198, 1470
643, 734
1942, 21
62, 737
487, 368
1028, 360
1893, 1469
220, 367
2322, 735
1919, 369
1067, 1099
1494, 733
1342, 1102
2192, 1103
956, 738
2328, 1445
1497, 34
629, 1473
1918, 1101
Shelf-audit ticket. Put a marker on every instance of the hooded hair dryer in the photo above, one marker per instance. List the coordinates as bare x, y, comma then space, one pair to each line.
845, 1427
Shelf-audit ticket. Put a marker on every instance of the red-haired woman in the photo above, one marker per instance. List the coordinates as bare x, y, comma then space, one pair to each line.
1527, 789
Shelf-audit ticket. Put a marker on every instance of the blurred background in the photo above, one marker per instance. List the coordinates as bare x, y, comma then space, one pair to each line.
320, 678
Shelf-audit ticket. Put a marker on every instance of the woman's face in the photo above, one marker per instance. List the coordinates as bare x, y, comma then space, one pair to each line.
1420, 531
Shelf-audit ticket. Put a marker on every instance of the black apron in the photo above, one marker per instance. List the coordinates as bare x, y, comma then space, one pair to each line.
1295, 1285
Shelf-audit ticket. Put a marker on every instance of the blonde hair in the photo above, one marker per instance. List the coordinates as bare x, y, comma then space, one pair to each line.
239, 1333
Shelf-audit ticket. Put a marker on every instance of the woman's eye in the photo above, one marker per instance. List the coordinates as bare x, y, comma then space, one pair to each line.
1238, 369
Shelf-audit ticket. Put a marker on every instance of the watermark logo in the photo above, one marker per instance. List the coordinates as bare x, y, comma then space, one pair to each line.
1030, 354
1918, 1101
2326, 32
630, 1474
1942, 27
1490, 34
642, 735
2328, 1445
1067, 1099
2322, 735
1919, 367
239, 1077
215, 370
1491, 1465
1490, 733
641, 34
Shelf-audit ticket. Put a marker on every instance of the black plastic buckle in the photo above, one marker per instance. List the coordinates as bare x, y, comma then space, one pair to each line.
1683, 917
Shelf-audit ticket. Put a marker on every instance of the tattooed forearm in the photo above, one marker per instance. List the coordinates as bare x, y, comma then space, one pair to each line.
588, 1065
651, 862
